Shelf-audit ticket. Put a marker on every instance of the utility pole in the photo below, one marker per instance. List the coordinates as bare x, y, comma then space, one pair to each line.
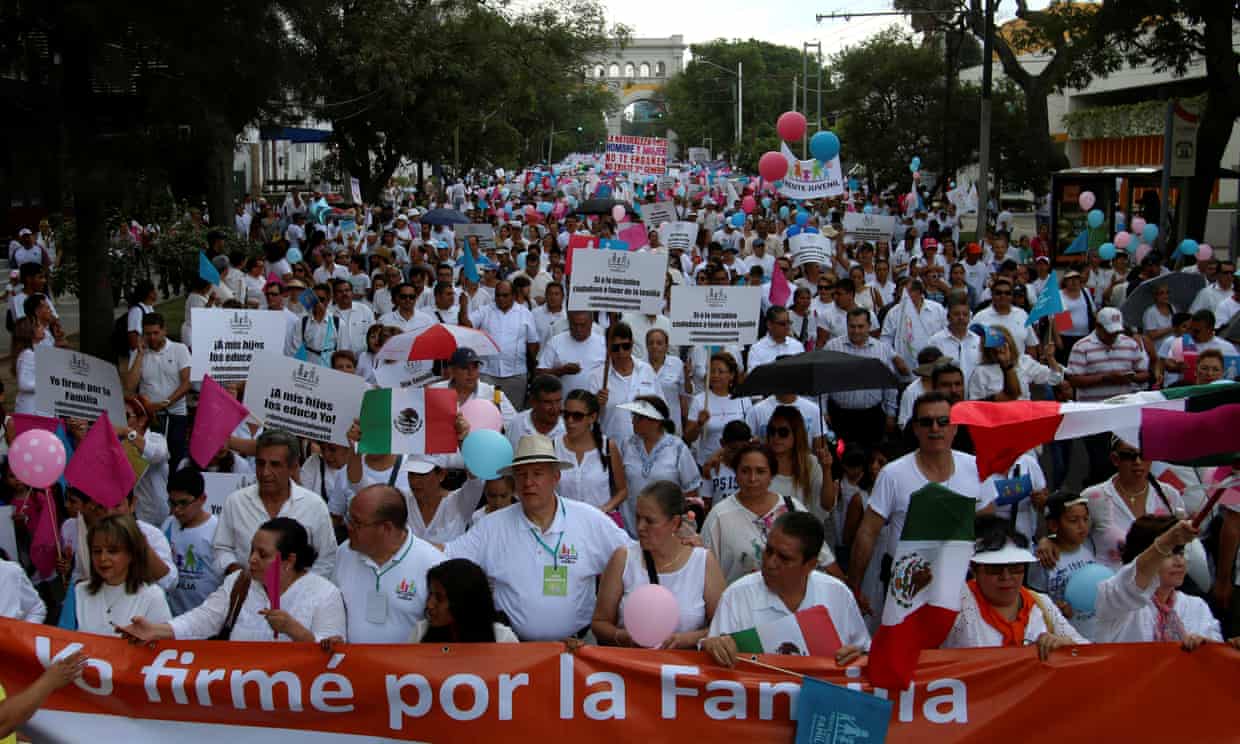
794, 93
1164, 212
740, 103
983, 149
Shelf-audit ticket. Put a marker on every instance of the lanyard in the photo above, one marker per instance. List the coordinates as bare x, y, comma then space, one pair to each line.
394, 564
553, 552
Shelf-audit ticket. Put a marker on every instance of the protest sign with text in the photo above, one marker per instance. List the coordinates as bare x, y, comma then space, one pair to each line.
645, 156
304, 399
658, 213
620, 281
715, 315
678, 234
219, 485
484, 233
225, 341
811, 179
872, 227
70, 384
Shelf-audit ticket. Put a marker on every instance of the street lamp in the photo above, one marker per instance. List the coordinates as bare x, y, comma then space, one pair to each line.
740, 77
551, 138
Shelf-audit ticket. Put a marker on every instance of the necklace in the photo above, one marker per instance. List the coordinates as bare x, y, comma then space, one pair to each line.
1130, 496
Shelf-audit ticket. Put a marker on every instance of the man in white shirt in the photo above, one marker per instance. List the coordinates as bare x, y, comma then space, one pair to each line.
1228, 308
354, 319
574, 354
278, 298
242, 220
381, 570
295, 233
956, 340
539, 279
863, 415
543, 417
549, 313
1003, 313
543, 554
159, 371
405, 316
1212, 295
275, 495
976, 271
776, 343
512, 327
788, 583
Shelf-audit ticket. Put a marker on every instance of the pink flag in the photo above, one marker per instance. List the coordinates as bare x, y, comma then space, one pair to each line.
636, 236
24, 422
780, 291
44, 543
99, 467
218, 415
271, 580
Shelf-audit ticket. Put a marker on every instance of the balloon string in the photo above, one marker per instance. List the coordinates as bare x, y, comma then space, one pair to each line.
753, 660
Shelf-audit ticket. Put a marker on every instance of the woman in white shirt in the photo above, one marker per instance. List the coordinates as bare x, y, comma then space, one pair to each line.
800, 470
802, 323
714, 408
26, 335
660, 557
118, 587
1142, 602
597, 473
989, 379
996, 610
436, 514
311, 607
460, 607
670, 371
255, 280
653, 453
1156, 321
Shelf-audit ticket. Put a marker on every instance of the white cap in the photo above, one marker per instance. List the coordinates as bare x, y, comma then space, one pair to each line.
418, 466
1008, 554
24, 232
643, 409
1111, 320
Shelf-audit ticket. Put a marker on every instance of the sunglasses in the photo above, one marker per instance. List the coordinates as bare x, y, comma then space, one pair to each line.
926, 422
780, 431
626, 346
575, 415
1128, 455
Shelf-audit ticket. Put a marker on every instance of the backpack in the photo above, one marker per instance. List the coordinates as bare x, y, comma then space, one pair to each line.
120, 337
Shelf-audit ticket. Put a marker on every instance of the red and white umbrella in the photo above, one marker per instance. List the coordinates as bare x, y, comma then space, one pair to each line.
437, 341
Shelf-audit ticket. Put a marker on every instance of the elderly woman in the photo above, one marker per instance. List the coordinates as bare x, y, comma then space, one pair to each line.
996, 609
1142, 602
653, 453
660, 557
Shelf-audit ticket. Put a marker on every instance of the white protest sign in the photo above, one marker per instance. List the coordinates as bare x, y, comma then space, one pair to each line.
8, 536
224, 341
715, 315
404, 374
808, 241
484, 233
618, 280
302, 398
646, 156
658, 213
678, 235
699, 154
873, 227
355, 187
811, 179
70, 384
220, 485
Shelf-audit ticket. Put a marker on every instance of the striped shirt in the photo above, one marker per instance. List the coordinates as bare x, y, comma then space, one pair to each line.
1092, 357
856, 400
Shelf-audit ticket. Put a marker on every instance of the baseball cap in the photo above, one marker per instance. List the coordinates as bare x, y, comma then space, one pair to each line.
1039, 259
1111, 320
463, 357
24, 232
1071, 274
973, 248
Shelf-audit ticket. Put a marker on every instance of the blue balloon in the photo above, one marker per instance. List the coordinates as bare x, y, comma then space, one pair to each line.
293, 255
802, 218
824, 146
680, 191
766, 202
544, 207
868, 209
1106, 251
738, 220
914, 164
1149, 234
1095, 218
1082, 589
486, 452
784, 212
1188, 247
744, 180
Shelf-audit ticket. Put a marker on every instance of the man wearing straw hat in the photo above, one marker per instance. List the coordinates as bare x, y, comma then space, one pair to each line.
543, 554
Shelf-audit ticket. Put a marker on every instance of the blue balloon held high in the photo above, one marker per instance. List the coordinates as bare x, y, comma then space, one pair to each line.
1106, 251
1149, 234
867, 209
1095, 218
824, 146
1082, 589
802, 218
293, 255
1188, 247
486, 452
914, 164
784, 212
738, 220
766, 202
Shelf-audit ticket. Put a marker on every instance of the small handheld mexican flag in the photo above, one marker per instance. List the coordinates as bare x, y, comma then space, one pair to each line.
927, 577
408, 421
809, 632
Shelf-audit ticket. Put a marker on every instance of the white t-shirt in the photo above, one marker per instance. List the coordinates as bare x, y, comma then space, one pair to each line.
161, 374
1054, 583
563, 349
898, 480
384, 603
197, 574
719, 484
102, 611
722, 412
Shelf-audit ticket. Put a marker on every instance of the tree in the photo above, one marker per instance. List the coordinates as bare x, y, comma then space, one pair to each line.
1171, 34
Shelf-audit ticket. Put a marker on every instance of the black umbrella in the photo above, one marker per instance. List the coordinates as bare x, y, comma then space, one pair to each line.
1232, 333
1184, 288
443, 216
602, 206
817, 373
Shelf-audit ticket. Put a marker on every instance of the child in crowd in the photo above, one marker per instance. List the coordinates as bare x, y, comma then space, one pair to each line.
1067, 519
499, 493
720, 480
190, 530
854, 496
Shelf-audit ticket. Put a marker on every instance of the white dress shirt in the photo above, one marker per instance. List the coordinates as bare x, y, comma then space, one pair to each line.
966, 352
312, 600
563, 349
354, 323
748, 603
384, 603
244, 512
513, 331
18, 599
857, 400
767, 350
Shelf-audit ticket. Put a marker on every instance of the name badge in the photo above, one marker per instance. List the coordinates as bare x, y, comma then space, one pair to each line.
376, 607
555, 581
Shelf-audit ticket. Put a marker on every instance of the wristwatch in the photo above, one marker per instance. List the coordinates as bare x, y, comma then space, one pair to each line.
132, 435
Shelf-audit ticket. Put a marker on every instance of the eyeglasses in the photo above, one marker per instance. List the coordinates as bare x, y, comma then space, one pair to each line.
626, 346
1128, 455
575, 415
927, 422
175, 504
998, 569
779, 431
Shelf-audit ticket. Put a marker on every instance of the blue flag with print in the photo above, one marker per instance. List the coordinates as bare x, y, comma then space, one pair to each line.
207, 270
1013, 490
613, 245
1049, 302
1079, 245
832, 714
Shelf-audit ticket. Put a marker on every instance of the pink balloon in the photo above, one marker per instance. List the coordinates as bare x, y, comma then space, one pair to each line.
772, 166
749, 204
1138, 225
1086, 200
37, 458
617, 212
1122, 239
1143, 250
1205, 252
791, 126
651, 614
482, 414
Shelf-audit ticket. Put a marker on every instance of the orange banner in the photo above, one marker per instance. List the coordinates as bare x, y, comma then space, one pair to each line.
535, 692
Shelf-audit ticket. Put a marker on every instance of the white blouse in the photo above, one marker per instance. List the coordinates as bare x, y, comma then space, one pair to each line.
670, 460
687, 584
97, 612
971, 631
586, 481
1110, 517
312, 600
723, 410
1126, 614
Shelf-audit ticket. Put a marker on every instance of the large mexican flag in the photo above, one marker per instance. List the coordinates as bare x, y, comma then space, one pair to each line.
809, 632
408, 421
927, 576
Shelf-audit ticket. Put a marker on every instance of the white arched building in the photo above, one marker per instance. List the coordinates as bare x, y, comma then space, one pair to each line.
637, 73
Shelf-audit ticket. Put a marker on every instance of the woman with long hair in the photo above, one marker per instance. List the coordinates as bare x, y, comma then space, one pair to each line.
801, 471
713, 408
460, 607
119, 586
597, 473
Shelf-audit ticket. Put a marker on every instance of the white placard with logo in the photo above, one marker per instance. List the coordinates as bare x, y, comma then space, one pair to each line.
618, 280
658, 213
225, 341
715, 315
484, 233
873, 227
679, 234
302, 398
220, 485
808, 241
70, 384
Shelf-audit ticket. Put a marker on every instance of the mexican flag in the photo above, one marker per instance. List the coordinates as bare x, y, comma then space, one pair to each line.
1003, 432
809, 632
408, 421
927, 575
